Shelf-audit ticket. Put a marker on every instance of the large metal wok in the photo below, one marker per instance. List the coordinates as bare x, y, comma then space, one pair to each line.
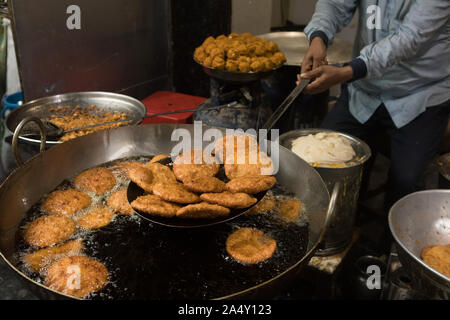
156, 262
418, 220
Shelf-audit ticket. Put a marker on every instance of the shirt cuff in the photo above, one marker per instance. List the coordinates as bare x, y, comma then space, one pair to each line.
359, 68
321, 35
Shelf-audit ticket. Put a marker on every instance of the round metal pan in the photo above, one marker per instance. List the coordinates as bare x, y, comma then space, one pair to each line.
149, 261
418, 220
236, 77
295, 45
39, 108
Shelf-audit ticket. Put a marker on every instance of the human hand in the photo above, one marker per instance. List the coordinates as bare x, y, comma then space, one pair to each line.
315, 56
324, 77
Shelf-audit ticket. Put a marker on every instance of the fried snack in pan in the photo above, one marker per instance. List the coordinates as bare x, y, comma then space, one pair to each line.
195, 163
143, 177
158, 157
161, 173
95, 218
245, 165
208, 62
234, 145
118, 201
251, 184
48, 230
175, 192
97, 180
126, 166
43, 257
154, 205
77, 276
229, 200
218, 63
202, 184
265, 205
66, 202
438, 258
203, 210
232, 66
250, 245
290, 209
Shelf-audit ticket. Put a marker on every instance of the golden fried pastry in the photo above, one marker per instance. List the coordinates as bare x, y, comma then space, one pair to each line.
257, 66
229, 200
66, 202
48, 230
43, 257
290, 209
217, 52
143, 177
154, 205
118, 201
95, 218
209, 47
221, 37
159, 157
234, 146
77, 276
97, 180
218, 63
209, 40
125, 167
233, 35
208, 62
203, 210
175, 192
244, 67
232, 66
438, 258
250, 245
265, 205
161, 173
195, 163
200, 54
204, 184
246, 165
251, 184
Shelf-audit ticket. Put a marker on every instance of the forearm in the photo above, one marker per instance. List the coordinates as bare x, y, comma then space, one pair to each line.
329, 18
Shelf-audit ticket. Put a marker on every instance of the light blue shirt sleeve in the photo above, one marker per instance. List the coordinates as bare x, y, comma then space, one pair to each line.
331, 16
419, 26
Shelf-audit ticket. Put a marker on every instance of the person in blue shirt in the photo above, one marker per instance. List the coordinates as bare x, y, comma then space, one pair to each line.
399, 79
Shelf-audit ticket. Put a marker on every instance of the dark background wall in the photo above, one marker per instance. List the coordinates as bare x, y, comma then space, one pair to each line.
192, 21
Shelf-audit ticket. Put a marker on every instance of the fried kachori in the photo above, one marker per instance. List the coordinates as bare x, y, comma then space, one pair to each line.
76, 276
250, 245
66, 202
290, 209
48, 230
229, 200
204, 184
251, 184
267, 204
154, 205
118, 201
96, 180
96, 218
175, 192
43, 257
195, 162
143, 177
203, 210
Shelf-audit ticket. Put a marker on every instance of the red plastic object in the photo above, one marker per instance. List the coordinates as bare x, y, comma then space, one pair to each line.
165, 101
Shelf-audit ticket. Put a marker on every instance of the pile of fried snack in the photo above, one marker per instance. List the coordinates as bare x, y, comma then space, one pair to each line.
192, 190
239, 53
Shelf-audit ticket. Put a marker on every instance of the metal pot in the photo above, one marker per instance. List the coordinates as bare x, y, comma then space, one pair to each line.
418, 220
340, 231
44, 172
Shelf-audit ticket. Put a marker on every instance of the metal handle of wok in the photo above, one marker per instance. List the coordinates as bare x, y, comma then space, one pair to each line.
18, 130
331, 208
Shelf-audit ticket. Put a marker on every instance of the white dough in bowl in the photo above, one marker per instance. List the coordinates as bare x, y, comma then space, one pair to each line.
323, 148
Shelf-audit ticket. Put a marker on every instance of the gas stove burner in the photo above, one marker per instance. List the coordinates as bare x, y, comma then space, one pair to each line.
234, 105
